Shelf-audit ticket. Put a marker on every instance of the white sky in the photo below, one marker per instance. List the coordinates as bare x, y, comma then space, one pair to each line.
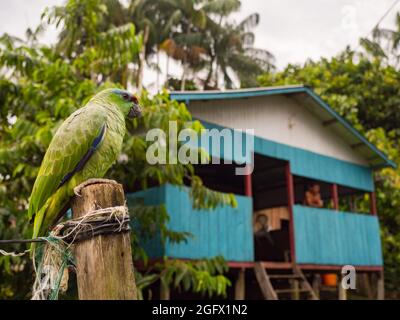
292, 30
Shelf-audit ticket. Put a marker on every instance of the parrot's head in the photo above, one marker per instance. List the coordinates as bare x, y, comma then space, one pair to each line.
127, 102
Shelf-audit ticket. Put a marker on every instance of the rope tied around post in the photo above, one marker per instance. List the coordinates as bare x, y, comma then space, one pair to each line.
94, 223
55, 256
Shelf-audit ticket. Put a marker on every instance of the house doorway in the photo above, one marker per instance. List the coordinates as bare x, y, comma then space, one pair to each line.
270, 210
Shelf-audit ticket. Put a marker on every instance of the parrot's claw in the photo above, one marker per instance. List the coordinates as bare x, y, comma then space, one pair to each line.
78, 189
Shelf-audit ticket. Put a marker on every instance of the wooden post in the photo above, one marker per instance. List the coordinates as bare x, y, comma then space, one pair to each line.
240, 285
316, 284
296, 289
248, 190
335, 197
372, 202
104, 266
342, 292
366, 283
290, 200
381, 286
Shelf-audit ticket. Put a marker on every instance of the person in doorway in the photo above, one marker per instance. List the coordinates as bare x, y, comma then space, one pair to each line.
312, 197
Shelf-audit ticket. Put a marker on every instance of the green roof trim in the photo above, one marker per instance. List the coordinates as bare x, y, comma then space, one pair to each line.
187, 96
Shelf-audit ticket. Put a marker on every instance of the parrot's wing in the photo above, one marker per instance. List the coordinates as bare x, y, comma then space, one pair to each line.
71, 147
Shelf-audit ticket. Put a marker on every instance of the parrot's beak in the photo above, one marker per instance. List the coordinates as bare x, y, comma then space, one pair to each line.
135, 111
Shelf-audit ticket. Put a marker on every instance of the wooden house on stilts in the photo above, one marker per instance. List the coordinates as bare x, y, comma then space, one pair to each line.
272, 238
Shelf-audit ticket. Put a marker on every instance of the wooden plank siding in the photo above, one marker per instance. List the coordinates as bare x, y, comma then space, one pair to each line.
292, 115
325, 237
223, 231
287, 121
322, 236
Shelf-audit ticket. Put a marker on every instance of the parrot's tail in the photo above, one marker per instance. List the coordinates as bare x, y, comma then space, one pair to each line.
49, 214
48, 256
37, 227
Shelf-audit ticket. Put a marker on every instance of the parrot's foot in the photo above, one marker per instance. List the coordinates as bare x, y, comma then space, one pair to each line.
78, 189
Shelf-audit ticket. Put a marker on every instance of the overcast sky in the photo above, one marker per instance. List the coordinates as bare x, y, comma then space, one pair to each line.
293, 30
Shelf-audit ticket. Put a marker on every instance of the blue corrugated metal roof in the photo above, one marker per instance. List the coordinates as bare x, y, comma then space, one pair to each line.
187, 96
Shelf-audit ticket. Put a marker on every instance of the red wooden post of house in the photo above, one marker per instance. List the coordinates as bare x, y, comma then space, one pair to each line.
372, 202
335, 197
290, 198
248, 191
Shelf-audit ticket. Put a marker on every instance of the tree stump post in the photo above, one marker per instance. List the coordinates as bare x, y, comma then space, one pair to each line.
104, 264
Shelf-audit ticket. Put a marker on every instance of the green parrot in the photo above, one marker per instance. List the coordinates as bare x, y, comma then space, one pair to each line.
85, 146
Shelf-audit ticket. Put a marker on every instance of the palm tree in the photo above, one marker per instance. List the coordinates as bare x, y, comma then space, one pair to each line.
155, 19
186, 39
140, 11
385, 43
232, 54
195, 32
220, 9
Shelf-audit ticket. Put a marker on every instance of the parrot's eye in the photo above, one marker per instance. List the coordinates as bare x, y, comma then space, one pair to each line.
125, 96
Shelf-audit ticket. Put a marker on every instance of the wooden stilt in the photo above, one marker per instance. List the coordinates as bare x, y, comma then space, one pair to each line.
342, 292
296, 289
240, 285
381, 286
367, 285
316, 284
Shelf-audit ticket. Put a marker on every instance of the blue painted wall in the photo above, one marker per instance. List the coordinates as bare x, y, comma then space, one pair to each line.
326, 237
303, 162
322, 236
149, 197
224, 231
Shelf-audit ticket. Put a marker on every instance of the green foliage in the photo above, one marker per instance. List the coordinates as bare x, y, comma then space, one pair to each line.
388, 201
150, 222
366, 92
204, 198
204, 277
175, 84
94, 36
383, 51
